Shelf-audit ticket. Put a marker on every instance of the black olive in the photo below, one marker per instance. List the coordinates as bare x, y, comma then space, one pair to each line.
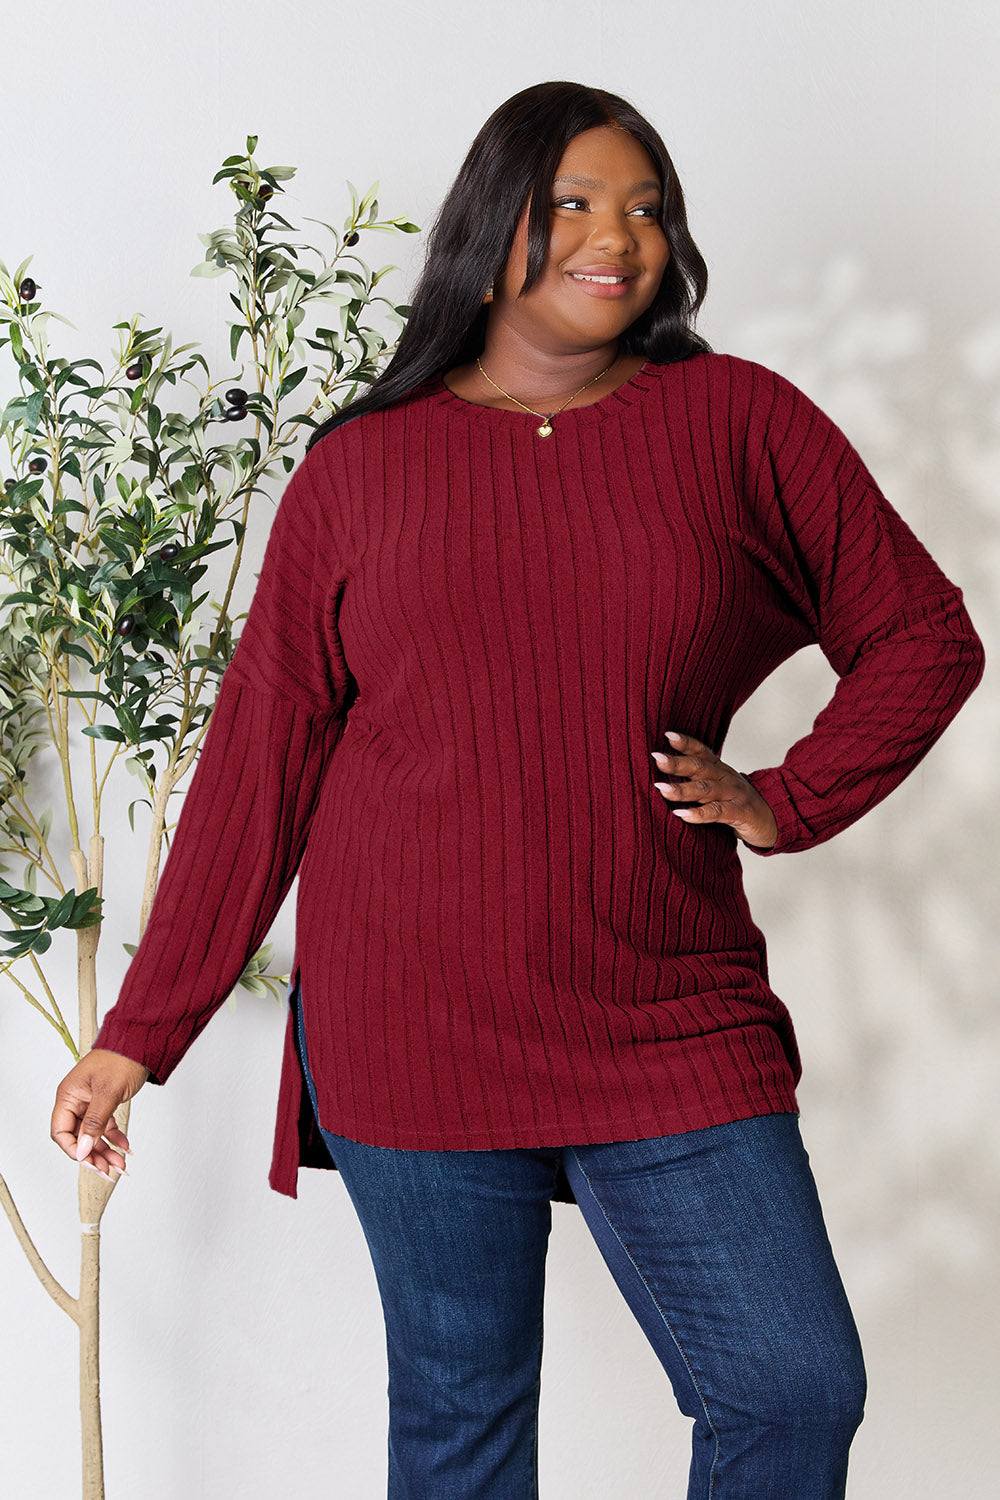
38, 465
235, 414
352, 239
169, 552
27, 289
9, 484
134, 372
236, 397
265, 191
126, 625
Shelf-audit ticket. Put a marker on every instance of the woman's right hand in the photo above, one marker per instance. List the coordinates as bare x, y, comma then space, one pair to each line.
83, 1120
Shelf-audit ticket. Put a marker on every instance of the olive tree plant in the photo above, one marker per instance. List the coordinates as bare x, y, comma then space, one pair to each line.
113, 502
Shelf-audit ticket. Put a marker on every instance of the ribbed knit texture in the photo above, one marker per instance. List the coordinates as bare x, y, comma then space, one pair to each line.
464, 643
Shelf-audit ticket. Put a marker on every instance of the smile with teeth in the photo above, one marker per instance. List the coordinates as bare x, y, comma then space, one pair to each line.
576, 275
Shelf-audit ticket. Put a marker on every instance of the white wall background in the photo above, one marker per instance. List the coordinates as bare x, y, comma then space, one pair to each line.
841, 183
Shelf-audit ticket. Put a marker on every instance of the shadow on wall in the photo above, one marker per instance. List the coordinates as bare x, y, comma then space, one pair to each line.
883, 942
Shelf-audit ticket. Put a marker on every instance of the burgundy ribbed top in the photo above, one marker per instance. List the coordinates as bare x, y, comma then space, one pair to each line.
464, 642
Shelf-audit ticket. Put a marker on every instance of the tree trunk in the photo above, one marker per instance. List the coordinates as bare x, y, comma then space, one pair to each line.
90, 1358
93, 1193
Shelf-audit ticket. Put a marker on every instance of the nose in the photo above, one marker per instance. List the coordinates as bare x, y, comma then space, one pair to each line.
612, 231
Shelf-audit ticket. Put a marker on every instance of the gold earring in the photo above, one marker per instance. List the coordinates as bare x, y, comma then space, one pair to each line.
489, 293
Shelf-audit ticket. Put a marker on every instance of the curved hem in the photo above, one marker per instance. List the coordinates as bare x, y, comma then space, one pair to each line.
573, 1135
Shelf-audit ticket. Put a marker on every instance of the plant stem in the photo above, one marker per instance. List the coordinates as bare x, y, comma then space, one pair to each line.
60, 735
62, 1029
164, 787
87, 939
52, 999
56, 1291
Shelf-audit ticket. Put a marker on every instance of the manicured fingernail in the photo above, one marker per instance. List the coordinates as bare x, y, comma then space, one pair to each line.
91, 1168
83, 1146
680, 812
673, 735
659, 757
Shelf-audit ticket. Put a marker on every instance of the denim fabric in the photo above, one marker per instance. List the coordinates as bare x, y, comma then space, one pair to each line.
717, 1241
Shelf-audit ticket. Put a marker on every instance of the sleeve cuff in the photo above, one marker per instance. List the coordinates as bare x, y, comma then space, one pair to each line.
772, 788
132, 1041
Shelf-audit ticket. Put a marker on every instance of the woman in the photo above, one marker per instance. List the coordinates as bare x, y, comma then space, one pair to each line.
511, 599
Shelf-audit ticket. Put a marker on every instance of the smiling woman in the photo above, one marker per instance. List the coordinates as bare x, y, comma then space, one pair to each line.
606, 258
501, 306
542, 561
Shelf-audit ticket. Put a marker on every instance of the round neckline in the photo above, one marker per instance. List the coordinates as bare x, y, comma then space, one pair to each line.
627, 394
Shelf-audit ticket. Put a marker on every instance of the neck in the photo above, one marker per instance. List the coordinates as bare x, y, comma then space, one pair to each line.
537, 375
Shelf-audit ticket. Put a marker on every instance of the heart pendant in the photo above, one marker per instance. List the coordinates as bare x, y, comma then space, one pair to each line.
545, 429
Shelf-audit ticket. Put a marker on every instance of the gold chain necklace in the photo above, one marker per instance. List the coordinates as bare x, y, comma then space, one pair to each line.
546, 427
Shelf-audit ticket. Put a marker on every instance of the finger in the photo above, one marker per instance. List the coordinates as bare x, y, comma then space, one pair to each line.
103, 1170
116, 1136
99, 1113
705, 812
103, 1162
680, 765
683, 791
110, 1152
65, 1124
686, 744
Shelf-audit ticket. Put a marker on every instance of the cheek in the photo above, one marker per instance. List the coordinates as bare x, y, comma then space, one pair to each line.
564, 245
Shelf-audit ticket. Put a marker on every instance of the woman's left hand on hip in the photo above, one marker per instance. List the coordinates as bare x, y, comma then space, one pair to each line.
722, 794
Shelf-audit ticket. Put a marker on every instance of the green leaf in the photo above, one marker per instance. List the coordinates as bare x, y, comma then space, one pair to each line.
83, 905
70, 649
32, 408
31, 905
62, 909
127, 720
290, 382
103, 731
139, 802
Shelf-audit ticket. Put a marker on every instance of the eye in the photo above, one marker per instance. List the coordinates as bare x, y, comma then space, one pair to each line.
649, 209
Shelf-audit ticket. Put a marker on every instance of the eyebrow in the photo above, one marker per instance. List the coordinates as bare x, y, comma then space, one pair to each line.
647, 185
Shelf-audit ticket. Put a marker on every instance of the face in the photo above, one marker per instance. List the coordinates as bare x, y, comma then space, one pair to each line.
610, 220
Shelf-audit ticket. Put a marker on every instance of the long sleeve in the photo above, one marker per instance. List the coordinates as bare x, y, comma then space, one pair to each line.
892, 626
278, 715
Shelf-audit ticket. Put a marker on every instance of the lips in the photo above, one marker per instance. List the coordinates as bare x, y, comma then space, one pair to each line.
579, 272
593, 284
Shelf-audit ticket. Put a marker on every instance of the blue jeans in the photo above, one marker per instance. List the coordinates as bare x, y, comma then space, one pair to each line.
717, 1242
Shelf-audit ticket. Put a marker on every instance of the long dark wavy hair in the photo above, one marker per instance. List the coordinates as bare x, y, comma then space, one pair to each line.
513, 158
